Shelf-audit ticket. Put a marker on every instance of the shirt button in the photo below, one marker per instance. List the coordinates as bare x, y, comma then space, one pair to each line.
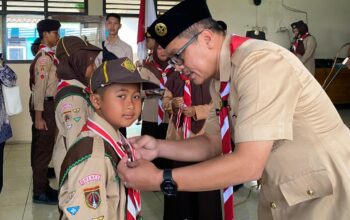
310, 192
273, 205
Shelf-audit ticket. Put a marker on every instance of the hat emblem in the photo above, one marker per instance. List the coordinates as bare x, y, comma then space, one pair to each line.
127, 64
161, 29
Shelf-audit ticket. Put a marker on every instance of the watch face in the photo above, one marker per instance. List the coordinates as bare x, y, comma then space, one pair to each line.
169, 188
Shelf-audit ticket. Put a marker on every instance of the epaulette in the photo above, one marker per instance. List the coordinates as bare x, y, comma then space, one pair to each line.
80, 151
71, 91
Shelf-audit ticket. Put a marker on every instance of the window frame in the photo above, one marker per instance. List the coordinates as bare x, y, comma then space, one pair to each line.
4, 12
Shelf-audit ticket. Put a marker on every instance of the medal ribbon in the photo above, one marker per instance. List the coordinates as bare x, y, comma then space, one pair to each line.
134, 196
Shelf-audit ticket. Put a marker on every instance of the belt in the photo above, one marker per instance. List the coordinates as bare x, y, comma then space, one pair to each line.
49, 98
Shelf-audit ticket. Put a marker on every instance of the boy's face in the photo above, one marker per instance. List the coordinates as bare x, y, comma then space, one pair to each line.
120, 104
112, 26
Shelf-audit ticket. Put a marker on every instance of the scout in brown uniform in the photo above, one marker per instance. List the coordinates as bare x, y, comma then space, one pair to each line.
286, 130
89, 184
43, 83
72, 99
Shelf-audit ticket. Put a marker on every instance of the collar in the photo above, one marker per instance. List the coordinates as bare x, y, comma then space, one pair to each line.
225, 60
106, 126
113, 43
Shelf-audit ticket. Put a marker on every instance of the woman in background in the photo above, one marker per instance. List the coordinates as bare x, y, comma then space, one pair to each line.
304, 45
8, 79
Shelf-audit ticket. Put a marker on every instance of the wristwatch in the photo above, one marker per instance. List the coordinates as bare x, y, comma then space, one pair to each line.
168, 186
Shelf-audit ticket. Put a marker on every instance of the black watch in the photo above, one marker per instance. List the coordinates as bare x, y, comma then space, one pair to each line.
168, 186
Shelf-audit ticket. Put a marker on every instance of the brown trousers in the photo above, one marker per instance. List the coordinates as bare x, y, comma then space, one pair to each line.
42, 147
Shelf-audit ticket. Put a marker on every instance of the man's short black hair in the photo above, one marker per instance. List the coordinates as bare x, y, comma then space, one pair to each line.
115, 15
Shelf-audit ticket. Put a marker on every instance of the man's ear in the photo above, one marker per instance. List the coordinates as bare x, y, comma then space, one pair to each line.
95, 100
208, 37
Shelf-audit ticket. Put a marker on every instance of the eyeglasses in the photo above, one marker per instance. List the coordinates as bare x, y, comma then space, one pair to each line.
176, 59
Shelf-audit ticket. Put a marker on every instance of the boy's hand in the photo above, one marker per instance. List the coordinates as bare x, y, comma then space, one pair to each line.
146, 146
178, 102
140, 174
40, 124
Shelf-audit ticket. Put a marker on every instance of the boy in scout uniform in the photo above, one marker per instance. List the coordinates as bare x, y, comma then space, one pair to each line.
43, 83
89, 184
72, 103
285, 128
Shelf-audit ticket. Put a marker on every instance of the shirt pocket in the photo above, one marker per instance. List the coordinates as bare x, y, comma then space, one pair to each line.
316, 184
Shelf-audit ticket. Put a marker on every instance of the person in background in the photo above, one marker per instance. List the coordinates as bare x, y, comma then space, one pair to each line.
43, 83
285, 128
72, 104
89, 168
154, 117
113, 47
34, 49
304, 45
8, 79
189, 105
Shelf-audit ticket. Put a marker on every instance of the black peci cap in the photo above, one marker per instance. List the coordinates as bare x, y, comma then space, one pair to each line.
48, 25
121, 71
177, 19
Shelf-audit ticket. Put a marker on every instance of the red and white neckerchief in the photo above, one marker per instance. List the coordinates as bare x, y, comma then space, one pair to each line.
163, 79
236, 41
296, 42
186, 125
134, 196
50, 51
64, 83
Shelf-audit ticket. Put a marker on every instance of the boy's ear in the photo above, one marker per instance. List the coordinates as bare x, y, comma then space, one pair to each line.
95, 101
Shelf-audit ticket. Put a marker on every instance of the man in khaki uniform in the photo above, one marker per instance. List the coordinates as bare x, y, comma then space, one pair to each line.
43, 83
286, 130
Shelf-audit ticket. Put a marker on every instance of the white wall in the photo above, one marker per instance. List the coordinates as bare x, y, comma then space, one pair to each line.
327, 19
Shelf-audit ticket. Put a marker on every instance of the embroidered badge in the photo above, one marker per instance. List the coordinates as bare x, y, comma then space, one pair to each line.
92, 197
73, 210
99, 218
161, 29
77, 119
67, 116
127, 64
66, 106
76, 110
89, 179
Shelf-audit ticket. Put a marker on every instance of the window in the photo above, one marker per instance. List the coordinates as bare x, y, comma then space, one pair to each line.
20, 34
131, 7
20, 17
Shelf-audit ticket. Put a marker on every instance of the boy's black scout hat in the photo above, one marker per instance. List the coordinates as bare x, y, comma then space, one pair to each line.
48, 25
121, 71
177, 19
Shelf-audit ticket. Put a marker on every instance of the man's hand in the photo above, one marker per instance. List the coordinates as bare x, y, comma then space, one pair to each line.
140, 174
40, 124
146, 146
189, 111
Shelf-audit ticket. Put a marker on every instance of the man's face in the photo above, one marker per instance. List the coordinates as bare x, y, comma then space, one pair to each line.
112, 26
195, 57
